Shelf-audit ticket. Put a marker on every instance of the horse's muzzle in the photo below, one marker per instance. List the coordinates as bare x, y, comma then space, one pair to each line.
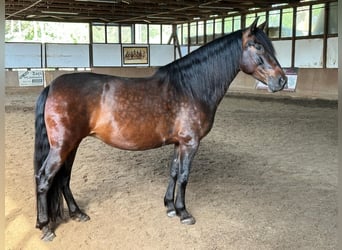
278, 85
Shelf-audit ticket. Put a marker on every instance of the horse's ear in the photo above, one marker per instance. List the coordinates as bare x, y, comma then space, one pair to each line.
250, 30
262, 26
254, 25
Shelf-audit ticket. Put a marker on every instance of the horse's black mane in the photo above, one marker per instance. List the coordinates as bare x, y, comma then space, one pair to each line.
205, 74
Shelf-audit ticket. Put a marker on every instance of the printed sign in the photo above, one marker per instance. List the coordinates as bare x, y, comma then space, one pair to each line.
31, 78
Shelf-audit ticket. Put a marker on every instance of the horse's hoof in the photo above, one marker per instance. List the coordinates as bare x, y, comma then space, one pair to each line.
171, 213
48, 235
188, 221
80, 216
42, 225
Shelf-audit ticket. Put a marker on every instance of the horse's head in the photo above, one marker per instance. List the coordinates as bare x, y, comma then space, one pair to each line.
258, 58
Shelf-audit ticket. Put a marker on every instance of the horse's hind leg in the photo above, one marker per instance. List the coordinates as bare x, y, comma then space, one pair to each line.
170, 192
74, 211
49, 206
54, 176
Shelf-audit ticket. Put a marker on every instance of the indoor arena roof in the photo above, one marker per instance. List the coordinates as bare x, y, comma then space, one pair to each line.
131, 11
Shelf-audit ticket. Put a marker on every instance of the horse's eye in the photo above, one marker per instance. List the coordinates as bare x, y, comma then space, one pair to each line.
260, 61
258, 46
250, 44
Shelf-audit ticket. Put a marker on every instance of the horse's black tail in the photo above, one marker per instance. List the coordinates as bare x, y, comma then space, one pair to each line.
41, 151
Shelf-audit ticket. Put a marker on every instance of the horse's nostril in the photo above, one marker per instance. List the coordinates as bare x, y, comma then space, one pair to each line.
282, 82
284, 79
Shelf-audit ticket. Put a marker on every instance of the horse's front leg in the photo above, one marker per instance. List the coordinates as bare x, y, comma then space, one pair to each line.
186, 155
170, 192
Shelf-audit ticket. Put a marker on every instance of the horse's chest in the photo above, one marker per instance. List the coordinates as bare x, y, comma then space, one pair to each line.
192, 120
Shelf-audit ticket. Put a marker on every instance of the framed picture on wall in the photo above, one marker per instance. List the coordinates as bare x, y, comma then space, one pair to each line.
135, 55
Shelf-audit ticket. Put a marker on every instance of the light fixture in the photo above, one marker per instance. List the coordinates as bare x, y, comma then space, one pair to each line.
161, 17
252, 9
59, 13
105, 1
205, 6
279, 4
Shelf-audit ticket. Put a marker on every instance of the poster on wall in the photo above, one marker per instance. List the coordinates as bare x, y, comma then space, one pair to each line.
291, 74
133, 55
31, 78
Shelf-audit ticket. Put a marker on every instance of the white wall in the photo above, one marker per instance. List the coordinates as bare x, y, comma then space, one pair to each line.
161, 54
106, 55
308, 54
283, 52
67, 55
26, 55
23, 55
332, 52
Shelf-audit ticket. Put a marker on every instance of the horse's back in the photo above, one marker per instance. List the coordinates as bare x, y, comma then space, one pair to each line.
80, 83
78, 92
128, 113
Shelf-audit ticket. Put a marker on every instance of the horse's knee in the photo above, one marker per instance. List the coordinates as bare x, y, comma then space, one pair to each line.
183, 179
42, 188
42, 184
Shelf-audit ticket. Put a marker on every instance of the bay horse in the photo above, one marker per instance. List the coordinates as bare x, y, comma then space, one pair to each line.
176, 105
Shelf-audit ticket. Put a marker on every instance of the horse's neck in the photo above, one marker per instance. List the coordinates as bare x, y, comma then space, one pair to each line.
214, 72
205, 74
219, 86
226, 85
